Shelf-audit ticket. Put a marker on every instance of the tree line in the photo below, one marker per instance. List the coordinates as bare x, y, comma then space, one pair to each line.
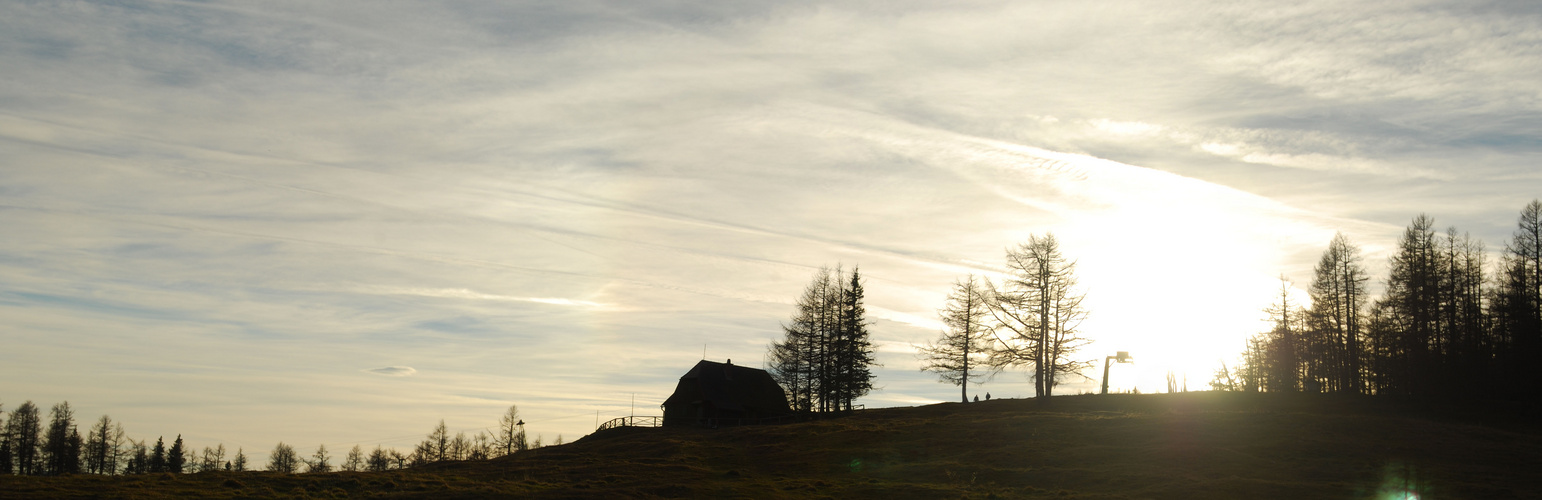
31, 446
1448, 324
825, 358
1031, 319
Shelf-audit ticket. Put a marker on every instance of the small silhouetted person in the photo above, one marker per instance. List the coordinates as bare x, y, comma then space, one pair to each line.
976, 398
987, 396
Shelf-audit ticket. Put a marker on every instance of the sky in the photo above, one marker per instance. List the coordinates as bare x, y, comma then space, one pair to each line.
342, 222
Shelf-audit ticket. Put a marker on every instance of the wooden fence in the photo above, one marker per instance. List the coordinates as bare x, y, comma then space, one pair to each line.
631, 421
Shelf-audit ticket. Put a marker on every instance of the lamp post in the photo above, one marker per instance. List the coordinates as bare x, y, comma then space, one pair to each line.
1122, 357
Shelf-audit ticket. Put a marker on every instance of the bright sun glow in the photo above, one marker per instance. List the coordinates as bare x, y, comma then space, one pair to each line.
1177, 271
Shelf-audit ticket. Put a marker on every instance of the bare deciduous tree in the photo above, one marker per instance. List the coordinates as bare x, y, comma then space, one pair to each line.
1338, 301
101, 449
960, 353
1037, 312
212, 458
355, 460
511, 433
320, 462
283, 459
379, 460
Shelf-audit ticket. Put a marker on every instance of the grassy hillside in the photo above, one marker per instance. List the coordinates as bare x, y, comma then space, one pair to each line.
1198, 445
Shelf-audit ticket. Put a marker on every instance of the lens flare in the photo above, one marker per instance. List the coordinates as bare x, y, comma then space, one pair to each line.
1401, 482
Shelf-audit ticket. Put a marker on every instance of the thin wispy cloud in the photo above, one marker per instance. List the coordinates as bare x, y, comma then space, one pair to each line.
394, 371
558, 206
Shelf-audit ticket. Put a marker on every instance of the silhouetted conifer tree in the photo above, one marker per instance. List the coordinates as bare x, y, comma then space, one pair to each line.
854, 352
7, 461
176, 457
158, 456
825, 359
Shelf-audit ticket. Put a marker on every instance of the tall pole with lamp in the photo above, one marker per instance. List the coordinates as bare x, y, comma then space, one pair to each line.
1122, 357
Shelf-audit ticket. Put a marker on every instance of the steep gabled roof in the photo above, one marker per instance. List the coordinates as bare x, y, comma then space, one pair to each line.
731, 387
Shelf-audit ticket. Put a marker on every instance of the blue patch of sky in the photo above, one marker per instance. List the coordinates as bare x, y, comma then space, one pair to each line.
1515, 143
47, 47
458, 324
111, 308
602, 159
116, 309
153, 251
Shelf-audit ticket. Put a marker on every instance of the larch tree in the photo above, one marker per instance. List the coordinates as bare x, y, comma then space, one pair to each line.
101, 448
797, 361
438, 444
139, 458
61, 444
7, 460
1466, 325
1037, 312
379, 460
1413, 304
320, 462
481, 447
212, 458
511, 433
355, 460
1518, 305
117, 450
959, 354
1282, 363
1338, 300
283, 459
460, 447
24, 430
1439, 329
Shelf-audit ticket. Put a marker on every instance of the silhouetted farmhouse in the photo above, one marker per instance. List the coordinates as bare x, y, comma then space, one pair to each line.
722, 393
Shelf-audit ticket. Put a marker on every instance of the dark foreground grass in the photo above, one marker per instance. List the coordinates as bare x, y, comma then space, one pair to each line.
1197, 445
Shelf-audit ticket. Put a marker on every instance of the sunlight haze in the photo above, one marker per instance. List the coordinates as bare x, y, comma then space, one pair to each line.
342, 222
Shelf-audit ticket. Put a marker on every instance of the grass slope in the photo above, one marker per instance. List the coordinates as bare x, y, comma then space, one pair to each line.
1196, 445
